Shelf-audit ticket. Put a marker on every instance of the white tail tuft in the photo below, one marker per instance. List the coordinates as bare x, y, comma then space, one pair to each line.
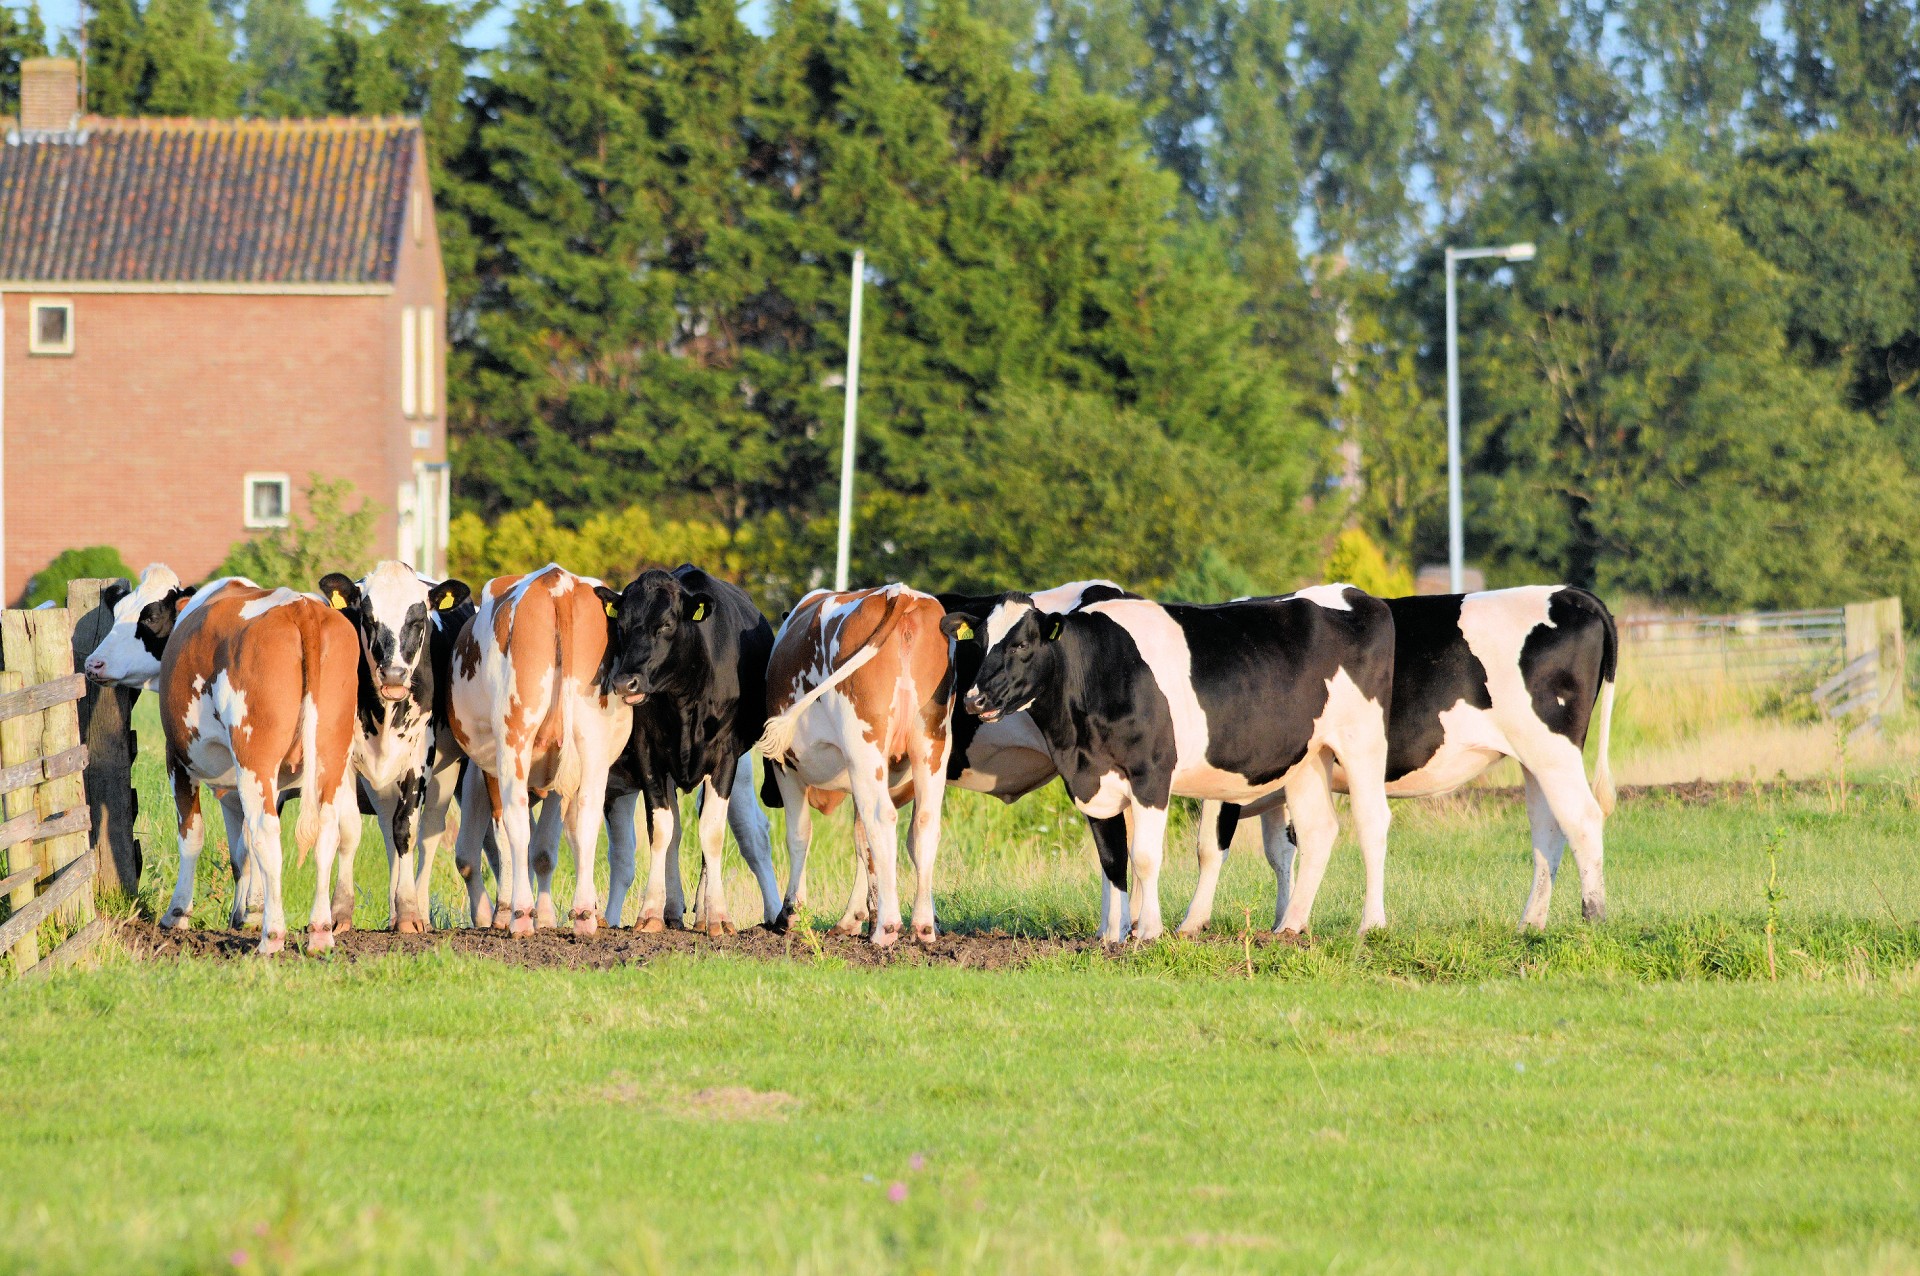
1602, 769
777, 739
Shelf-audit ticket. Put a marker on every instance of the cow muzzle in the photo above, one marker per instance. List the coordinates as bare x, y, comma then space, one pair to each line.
976, 704
628, 688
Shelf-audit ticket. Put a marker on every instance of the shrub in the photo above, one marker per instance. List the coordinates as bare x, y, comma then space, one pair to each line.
49, 584
331, 538
1358, 561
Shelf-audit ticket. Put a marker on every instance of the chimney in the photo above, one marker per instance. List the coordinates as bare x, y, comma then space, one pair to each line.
49, 95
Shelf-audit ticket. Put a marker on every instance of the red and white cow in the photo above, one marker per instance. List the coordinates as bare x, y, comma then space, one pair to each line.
532, 713
859, 690
257, 691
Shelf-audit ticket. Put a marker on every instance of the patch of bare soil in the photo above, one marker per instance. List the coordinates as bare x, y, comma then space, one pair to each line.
610, 947
1686, 793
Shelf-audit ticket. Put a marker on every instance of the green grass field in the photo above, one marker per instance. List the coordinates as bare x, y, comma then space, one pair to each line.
1640, 1095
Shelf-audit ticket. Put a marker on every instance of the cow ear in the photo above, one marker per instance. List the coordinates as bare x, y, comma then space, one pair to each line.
609, 598
958, 626
448, 594
340, 592
1054, 625
699, 606
115, 590
178, 599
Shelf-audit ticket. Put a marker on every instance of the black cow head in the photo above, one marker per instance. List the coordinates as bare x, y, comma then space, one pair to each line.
1021, 661
391, 607
651, 625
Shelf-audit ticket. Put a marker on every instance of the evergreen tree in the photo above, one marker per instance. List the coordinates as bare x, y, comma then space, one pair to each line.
190, 68
116, 58
22, 36
1636, 420
283, 45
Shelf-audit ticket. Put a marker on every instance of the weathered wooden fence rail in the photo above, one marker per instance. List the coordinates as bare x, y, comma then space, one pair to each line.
1856, 652
44, 819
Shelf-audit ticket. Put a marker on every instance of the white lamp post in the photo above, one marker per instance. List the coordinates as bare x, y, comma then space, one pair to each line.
846, 435
1456, 538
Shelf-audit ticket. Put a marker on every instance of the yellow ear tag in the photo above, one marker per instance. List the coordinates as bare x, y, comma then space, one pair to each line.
446, 602
1053, 633
339, 601
611, 611
965, 634
699, 611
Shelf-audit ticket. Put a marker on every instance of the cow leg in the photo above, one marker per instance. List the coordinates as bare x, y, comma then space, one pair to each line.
623, 841
1365, 762
881, 819
1563, 782
1207, 849
676, 885
712, 899
663, 832
1549, 844
469, 845
929, 795
860, 904
1276, 839
799, 832
585, 811
436, 818
320, 919
544, 856
263, 842
1310, 799
404, 861
513, 827
248, 895
753, 834
1148, 851
1110, 844
343, 817
192, 827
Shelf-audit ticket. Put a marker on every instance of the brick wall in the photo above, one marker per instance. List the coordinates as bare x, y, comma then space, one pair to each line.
141, 438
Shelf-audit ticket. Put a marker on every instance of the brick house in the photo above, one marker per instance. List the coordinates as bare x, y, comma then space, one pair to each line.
196, 315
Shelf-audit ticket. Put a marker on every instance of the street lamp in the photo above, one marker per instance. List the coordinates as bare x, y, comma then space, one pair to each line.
1456, 538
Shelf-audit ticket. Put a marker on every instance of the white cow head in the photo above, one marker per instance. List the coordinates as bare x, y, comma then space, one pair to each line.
143, 617
391, 606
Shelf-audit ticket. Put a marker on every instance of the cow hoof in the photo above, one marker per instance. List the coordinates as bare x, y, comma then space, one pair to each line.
411, 926
651, 926
319, 939
521, 925
271, 944
1594, 910
175, 920
252, 921
342, 922
886, 936
716, 929
845, 928
502, 915
782, 921
545, 919
1298, 938
925, 935
585, 922
1188, 930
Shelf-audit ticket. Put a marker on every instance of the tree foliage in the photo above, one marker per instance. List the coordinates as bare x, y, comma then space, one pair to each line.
331, 537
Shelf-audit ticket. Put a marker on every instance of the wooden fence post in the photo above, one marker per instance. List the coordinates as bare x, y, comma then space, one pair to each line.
39, 645
18, 740
106, 724
1876, 627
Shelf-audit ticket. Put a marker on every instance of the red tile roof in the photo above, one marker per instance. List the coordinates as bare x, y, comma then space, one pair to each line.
240, 201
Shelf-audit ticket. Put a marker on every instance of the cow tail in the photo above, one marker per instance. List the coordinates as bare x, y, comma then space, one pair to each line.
777, 739
1603, 790
306, 826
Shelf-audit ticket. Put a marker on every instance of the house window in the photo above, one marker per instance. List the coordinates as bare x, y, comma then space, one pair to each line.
429, 404
409, 363
49, 327
269, 500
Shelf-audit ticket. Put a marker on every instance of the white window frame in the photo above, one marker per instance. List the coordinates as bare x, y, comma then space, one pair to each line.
246, 499
409, 364
34, 306
424, 351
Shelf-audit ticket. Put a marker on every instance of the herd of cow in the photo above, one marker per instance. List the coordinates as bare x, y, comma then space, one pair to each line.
402, 697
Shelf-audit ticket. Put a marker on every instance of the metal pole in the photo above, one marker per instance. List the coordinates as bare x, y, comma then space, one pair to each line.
1456, 549
846, 432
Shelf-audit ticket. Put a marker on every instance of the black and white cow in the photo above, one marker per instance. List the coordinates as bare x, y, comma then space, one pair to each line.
1139, 701
1506, 673
689, 652
407, 775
